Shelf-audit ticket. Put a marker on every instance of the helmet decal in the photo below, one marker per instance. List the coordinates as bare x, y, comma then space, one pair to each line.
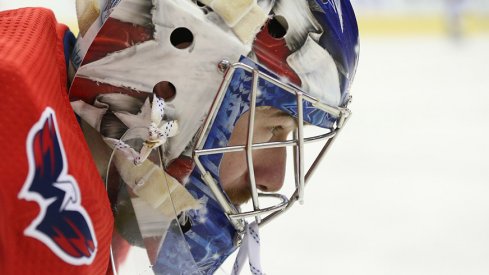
63, 224
204, 65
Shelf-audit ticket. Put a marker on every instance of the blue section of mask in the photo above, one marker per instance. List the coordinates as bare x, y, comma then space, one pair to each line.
211, 236
339, 38
203, 248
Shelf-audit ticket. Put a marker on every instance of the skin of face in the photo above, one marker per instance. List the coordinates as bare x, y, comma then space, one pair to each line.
269, 164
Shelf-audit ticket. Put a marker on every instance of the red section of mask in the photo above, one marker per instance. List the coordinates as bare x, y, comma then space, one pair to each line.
181, 168
114, 36
273, 52
87, 90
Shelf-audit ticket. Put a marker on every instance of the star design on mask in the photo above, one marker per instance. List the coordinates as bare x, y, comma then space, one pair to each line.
308, 110
188, 65
141, 119
215, 256
151, 118
201, 215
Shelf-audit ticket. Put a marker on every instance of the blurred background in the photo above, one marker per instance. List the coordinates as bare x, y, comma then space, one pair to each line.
405, 189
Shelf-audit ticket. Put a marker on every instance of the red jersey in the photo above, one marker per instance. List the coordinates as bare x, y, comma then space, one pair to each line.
55, 215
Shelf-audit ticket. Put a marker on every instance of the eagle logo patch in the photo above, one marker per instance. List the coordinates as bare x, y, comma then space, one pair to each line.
62, 224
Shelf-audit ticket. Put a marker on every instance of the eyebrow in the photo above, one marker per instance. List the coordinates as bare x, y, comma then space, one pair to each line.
274, 112
284, 117
282, 114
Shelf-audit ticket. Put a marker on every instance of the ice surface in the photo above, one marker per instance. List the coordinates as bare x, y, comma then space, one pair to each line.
405, 189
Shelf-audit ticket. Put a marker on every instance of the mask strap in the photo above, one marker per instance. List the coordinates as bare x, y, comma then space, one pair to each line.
250, 248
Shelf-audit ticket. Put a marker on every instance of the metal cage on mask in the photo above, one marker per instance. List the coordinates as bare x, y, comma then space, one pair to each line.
245, 86
249, 85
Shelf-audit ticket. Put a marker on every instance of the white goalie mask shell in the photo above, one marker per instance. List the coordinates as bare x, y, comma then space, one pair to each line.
191, 70
135, 45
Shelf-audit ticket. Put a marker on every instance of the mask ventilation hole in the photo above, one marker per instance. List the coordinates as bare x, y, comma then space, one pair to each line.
277, 26
165, 90
185, 223
181, 38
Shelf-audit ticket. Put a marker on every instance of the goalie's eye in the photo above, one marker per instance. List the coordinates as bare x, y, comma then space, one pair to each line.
279, 123
276, 130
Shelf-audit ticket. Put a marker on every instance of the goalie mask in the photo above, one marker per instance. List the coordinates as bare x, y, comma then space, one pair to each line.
181, 91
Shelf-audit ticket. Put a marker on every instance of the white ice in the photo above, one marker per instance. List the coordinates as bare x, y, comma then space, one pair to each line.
405, 189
